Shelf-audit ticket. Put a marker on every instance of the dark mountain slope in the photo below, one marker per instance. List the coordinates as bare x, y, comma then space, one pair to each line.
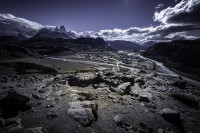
66, 46
183, 55
44, 45
13, 48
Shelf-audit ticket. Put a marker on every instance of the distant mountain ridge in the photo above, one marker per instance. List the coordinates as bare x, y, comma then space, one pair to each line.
125, 45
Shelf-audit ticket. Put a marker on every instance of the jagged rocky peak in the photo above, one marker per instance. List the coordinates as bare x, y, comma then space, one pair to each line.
56, 29
62, 29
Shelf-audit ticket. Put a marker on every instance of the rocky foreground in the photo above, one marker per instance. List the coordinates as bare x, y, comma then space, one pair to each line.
101, 99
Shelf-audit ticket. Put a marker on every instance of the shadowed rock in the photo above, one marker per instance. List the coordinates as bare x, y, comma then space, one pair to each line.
180, 84
187, 99
13, 103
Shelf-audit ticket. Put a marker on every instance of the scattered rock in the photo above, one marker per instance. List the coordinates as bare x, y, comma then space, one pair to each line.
2, 122
13, 121
4, 79
45, 90
170, 115
180, 84
139, 80
125, 87
128, 126
112, 96
50, 106
36, 130
58, 93
116, 90
15, 129
135, 90
52, 115
144, 98
128, 78
82, 95
141, 131
187, 99
160, 130
112, 82
43, 93
118, 120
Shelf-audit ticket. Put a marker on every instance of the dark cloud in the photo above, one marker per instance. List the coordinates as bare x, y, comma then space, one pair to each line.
165, 30
175, 22
185, 12
173, 36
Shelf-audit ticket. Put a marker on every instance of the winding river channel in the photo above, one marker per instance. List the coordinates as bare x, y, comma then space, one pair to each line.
164, 69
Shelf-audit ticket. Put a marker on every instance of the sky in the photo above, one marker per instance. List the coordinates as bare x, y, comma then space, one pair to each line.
132, 20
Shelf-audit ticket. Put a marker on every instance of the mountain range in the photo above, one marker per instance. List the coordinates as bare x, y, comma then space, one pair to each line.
48, 42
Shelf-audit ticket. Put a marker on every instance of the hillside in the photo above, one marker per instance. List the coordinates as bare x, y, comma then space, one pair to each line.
10, 47
66, 46
13, 48
182, 55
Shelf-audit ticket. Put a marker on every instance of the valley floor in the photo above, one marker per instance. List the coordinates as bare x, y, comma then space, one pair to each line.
55, 96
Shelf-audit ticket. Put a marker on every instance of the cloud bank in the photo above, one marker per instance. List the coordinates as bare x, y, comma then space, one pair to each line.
11, 25
175, 23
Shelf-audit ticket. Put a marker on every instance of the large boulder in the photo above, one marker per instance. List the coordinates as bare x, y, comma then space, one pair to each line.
81, 79
82, 115
124, 88
84, 112
135, 90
